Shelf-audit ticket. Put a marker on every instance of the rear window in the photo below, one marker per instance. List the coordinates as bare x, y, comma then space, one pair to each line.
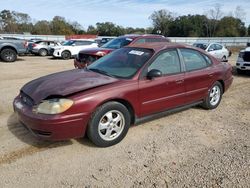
118, 43
200, 45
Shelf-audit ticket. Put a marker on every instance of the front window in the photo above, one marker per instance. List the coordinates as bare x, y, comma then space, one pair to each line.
118, 43
123, 63
167, 62
68, 43
193, 59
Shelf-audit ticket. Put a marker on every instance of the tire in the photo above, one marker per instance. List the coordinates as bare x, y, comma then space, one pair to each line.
66, 55
8, 55
109, 124
214, 96
239, 71
43, 52
224, 59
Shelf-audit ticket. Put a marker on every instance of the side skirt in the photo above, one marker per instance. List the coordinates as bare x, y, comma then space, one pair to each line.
164, 113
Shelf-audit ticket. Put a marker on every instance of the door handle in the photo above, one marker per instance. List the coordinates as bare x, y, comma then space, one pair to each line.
179, 81
211, 75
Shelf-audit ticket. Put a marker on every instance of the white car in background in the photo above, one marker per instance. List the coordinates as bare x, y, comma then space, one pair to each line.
215, 49
243, 61
72, 47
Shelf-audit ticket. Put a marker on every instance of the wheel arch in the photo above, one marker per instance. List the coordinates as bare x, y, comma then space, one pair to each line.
8, 47
67, 51
222, 84
124, 102
43, 49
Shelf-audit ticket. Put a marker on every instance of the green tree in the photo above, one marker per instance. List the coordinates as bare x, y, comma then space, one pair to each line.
91, 30
231, 27
188, 26
42, 27
8, 21
161, 21
109, 29
59, 26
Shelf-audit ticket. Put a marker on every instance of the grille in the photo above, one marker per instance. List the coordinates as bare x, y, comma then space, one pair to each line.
26, 99
246, 56
247, 65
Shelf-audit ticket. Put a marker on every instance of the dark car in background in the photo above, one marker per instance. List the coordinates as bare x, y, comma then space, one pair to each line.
89, 55
128, 86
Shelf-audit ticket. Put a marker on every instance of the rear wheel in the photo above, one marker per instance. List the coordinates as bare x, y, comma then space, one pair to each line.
43, 52
66, 55
8, 55
109, 124
214, 96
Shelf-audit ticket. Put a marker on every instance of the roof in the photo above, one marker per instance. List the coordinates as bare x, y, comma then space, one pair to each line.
157, 46
82, 40
141, 36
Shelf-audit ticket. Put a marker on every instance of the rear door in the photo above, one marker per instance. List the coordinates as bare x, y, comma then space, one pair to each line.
198, 75
164, 92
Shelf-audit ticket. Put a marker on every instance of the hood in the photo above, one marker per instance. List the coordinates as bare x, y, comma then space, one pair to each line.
65, 83
96, 51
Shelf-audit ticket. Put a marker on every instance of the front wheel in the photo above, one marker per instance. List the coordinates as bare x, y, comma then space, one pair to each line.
214, 96
109, 124
8, 55
66, 55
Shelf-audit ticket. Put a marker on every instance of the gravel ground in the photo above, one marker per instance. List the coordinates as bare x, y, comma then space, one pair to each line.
191, 148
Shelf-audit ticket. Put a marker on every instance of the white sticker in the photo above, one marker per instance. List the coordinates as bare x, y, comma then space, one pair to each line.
135, 52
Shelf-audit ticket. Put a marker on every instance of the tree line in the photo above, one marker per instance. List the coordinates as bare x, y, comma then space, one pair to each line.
212, 23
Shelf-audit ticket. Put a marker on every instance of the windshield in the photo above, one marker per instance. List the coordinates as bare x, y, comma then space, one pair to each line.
200, 45
122, 63
68, 43
118, 43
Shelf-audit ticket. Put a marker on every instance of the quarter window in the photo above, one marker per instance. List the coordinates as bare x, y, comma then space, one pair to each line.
193, 60
168, 63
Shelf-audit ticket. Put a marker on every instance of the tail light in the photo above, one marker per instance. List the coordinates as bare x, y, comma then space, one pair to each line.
33, 45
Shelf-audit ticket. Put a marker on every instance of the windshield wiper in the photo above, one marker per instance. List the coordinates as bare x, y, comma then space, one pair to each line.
100, 71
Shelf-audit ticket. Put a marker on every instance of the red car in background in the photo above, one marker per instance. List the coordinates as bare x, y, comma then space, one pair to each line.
128, 86
87, 56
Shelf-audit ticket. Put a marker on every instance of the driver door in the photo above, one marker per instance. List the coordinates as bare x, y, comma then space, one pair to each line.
165, 92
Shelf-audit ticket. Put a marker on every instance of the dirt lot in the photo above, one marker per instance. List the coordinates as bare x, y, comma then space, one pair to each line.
194, 147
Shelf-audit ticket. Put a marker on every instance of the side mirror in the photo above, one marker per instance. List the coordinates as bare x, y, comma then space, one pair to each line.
154, 73
73, 44
210, 49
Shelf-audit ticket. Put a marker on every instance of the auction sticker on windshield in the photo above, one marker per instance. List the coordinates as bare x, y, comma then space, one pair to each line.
135, 52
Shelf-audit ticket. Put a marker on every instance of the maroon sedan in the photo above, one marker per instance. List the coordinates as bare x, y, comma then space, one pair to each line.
87, 56
123, 88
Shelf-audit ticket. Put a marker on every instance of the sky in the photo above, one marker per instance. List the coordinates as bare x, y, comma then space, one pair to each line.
126, 13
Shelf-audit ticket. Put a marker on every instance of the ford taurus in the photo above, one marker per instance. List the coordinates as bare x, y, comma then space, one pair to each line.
125, 87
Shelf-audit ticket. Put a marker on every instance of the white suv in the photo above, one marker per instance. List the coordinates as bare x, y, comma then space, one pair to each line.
243, 61
72, 47
217, 50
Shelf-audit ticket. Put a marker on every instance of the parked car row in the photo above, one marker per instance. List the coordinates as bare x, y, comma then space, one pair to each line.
89, 55
10, 47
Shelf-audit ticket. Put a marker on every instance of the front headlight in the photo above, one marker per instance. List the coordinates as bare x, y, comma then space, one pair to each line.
53, 106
